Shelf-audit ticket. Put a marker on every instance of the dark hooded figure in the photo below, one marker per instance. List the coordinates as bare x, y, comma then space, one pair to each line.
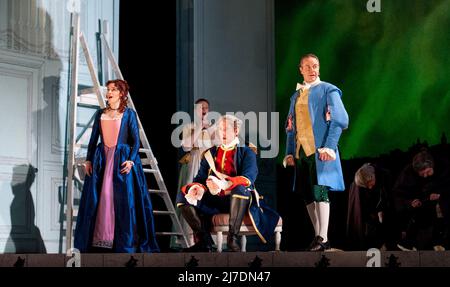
422, 202
369, 218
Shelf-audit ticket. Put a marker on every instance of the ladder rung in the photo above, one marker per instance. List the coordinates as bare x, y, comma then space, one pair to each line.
169, 233
146, 150
81, 145
83, 125
163, 212
150, 170
90, 106
157, 191
86, 91
89, 91
146, 161
74, 212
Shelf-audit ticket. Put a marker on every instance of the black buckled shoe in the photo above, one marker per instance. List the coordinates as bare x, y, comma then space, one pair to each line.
313, 243
320, 245
232, 244
199, 247
204, 243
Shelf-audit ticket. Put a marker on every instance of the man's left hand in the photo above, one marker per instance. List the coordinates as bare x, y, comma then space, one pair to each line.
325, 157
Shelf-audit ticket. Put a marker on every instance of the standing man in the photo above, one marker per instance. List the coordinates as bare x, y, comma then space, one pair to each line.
314, 125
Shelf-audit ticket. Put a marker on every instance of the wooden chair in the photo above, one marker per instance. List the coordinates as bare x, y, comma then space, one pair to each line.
220, 225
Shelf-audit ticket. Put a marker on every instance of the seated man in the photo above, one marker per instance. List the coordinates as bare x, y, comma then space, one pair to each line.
421, 190
225, 184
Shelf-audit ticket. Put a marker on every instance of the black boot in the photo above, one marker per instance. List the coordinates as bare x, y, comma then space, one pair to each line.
203, 238
238, 209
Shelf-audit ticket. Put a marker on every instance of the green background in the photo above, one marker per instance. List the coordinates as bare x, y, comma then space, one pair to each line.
393, 67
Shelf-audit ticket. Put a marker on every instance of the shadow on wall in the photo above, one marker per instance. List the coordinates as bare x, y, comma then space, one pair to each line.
25, 236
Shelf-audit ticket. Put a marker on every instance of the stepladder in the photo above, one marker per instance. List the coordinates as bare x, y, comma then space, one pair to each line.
82, 107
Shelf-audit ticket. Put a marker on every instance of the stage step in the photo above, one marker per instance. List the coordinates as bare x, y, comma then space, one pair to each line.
394, 259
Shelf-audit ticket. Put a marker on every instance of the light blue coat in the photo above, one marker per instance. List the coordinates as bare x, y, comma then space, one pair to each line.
326, 134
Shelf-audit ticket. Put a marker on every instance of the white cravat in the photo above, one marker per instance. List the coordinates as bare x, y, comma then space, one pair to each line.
231, 144
307, 85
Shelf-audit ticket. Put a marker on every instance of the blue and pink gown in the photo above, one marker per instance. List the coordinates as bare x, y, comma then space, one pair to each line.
115, 210
104, 225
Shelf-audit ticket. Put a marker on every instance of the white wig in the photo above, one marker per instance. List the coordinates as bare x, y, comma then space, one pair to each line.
237, 123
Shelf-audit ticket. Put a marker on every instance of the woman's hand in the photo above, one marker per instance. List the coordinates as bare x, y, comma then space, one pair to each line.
88, 168
127, 167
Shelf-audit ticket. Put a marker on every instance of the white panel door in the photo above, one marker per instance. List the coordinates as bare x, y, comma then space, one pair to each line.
18, 154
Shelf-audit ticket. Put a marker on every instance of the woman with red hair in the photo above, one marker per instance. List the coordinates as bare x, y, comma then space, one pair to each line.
115, 211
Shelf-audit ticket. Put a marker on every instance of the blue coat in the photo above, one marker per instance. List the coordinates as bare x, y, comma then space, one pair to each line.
264, 219
326, 134
244, 161
134, 226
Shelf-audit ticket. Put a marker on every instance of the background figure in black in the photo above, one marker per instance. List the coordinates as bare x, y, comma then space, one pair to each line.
421, 198
370, 212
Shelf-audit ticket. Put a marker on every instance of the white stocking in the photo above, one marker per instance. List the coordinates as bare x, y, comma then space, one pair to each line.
323, 212
312, 211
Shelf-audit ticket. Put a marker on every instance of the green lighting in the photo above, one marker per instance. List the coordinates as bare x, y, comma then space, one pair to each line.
393, 67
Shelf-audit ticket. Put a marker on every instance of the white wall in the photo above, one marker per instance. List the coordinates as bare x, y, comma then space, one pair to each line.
233, 54
34, 50
233, 64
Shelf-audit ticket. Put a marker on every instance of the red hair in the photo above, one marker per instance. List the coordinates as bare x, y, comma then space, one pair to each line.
123, 87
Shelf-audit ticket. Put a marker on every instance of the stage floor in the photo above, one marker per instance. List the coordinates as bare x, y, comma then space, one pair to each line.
247, 259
